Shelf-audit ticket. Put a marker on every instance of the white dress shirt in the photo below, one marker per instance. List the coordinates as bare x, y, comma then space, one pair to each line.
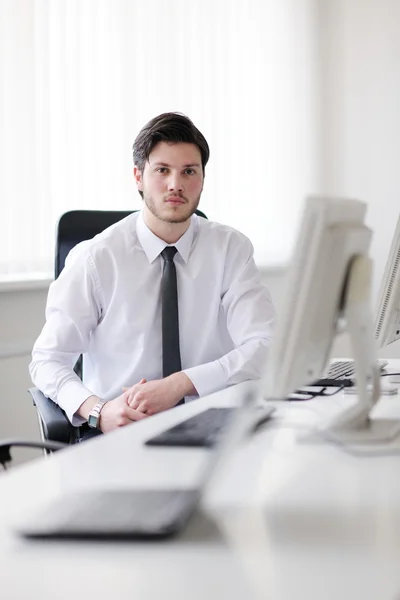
106, 305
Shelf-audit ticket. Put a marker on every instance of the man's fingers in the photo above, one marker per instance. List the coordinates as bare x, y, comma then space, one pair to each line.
125, 389
144, 408
133, 415
136, 400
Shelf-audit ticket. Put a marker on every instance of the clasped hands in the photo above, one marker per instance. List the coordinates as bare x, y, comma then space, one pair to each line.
150, 397
144, 399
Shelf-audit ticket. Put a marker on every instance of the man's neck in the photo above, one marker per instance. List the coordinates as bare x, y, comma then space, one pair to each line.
168, 232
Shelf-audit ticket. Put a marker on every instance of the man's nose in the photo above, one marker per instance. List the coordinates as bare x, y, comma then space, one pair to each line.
175, 183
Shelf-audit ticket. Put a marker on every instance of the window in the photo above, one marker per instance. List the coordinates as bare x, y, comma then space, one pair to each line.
79, 78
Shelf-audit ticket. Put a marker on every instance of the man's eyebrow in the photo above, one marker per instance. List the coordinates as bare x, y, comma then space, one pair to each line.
163, 164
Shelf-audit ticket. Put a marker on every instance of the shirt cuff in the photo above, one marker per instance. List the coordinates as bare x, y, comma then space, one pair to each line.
207, 378
70, 398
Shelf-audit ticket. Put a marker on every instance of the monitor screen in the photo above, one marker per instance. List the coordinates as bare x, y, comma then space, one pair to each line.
329, 290
331, 233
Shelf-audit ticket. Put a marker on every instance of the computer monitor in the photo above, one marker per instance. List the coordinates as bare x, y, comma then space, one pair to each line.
328, 291
387, 323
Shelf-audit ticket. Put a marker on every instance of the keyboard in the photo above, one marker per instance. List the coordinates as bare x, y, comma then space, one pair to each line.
206, 428
113, 513
342, 373
203, 429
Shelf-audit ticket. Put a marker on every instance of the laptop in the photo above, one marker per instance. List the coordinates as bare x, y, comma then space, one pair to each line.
140, 514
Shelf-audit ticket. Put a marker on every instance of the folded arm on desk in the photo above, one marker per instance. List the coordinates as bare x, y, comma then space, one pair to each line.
250, 317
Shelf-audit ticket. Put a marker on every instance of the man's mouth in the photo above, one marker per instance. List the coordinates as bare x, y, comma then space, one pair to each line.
175, 200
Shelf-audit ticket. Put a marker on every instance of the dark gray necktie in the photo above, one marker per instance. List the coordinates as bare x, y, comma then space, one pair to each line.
170, 320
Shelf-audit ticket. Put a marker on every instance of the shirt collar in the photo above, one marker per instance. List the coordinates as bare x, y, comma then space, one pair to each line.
153, 245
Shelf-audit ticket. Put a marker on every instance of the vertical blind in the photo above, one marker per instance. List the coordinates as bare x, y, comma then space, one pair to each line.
79, 78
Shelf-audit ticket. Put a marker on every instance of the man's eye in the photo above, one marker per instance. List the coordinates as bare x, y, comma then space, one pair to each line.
162, 170
190, 171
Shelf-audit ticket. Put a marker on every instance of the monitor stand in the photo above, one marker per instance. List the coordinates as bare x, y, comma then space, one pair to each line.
355, 425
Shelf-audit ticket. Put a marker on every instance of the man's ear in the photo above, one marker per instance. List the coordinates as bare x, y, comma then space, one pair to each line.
137, 173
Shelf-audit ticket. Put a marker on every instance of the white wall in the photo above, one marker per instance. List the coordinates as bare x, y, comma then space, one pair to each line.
360, 77
361, 100
21, 318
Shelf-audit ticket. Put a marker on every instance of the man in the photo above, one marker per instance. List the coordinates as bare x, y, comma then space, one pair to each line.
107, 302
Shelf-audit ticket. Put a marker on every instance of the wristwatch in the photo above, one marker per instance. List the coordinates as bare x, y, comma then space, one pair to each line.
94, 415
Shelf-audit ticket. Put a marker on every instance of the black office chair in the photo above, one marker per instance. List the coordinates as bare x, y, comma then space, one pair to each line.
73, 227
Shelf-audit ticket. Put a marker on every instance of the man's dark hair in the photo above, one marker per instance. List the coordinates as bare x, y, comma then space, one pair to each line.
169, 127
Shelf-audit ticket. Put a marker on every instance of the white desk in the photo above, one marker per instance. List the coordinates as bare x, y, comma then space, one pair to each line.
299, 521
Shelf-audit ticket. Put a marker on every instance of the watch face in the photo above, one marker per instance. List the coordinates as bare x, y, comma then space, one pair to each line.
92, 421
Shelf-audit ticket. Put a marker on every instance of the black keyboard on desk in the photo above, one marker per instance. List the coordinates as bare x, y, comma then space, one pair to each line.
341, 373
201, 430
330, 382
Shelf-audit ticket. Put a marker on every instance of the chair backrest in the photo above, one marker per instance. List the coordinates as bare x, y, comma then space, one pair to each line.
77, 226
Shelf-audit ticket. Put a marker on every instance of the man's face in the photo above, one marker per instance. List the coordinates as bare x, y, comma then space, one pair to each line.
172, 181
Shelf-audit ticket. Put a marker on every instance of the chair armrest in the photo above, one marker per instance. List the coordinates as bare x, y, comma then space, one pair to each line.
56, 426
6, 445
